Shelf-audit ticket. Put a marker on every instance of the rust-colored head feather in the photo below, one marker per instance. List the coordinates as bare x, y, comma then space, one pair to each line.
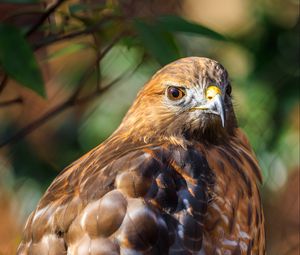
157, 114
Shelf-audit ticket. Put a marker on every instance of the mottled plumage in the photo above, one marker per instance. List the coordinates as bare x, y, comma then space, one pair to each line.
177, 177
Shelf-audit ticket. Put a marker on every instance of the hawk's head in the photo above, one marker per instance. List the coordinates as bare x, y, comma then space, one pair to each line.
188, 98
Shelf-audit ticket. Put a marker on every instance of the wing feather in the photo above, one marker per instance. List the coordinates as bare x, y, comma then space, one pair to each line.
140, 202
160, 199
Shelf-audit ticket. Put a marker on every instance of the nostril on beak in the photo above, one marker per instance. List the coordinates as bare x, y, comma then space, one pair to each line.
212, 91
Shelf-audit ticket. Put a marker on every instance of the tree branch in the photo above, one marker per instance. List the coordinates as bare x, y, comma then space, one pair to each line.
3, 82
44, 17
35, 124
100, 91
17, 100
91, 69
56, 38
72, 100
59, 109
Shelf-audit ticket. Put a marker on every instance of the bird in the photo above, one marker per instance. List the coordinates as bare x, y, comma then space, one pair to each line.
178, 176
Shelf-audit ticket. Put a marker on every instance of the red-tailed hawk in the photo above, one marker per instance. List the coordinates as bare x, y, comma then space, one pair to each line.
177, 177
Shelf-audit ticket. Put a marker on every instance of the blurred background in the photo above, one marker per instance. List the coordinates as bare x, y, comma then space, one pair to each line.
69, 70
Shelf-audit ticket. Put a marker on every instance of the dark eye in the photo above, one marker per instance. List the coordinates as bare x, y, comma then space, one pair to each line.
175, 93
228, 90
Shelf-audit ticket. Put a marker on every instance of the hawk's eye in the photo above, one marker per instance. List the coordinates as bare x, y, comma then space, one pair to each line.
228, 90
175, 93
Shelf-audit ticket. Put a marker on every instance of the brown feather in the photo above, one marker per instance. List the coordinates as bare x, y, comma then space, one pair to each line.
163, 183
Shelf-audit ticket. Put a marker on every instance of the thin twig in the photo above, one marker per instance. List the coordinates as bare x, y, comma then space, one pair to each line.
126, 74
3, 82
43, 18
59, 109
57, 38
10, 102
98, 92
98, 75
37, 123
97, 66
71, 101
90, 70
20, 12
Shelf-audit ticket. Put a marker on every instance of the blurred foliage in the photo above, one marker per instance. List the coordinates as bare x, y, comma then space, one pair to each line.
87, 52
14, 47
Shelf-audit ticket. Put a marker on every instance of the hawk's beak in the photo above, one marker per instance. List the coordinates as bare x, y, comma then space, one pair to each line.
215, 103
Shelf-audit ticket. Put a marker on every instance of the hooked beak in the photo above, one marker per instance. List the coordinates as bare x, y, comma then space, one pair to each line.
215, 103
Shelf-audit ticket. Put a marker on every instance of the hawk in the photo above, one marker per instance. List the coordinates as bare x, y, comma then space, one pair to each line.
177, 177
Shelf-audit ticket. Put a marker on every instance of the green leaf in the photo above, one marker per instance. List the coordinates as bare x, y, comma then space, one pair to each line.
178, 24
81, 7
17, 59
158, 42
74, 8
130, 41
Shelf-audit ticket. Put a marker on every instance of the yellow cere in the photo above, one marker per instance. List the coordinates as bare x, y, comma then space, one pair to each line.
212, 91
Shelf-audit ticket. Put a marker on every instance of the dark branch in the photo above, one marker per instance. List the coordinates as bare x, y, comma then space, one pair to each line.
44, 17
17, 100
3, 82
71, 101
100, 91
97, 66
56, 38
37, 123
57, 110
91, 69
